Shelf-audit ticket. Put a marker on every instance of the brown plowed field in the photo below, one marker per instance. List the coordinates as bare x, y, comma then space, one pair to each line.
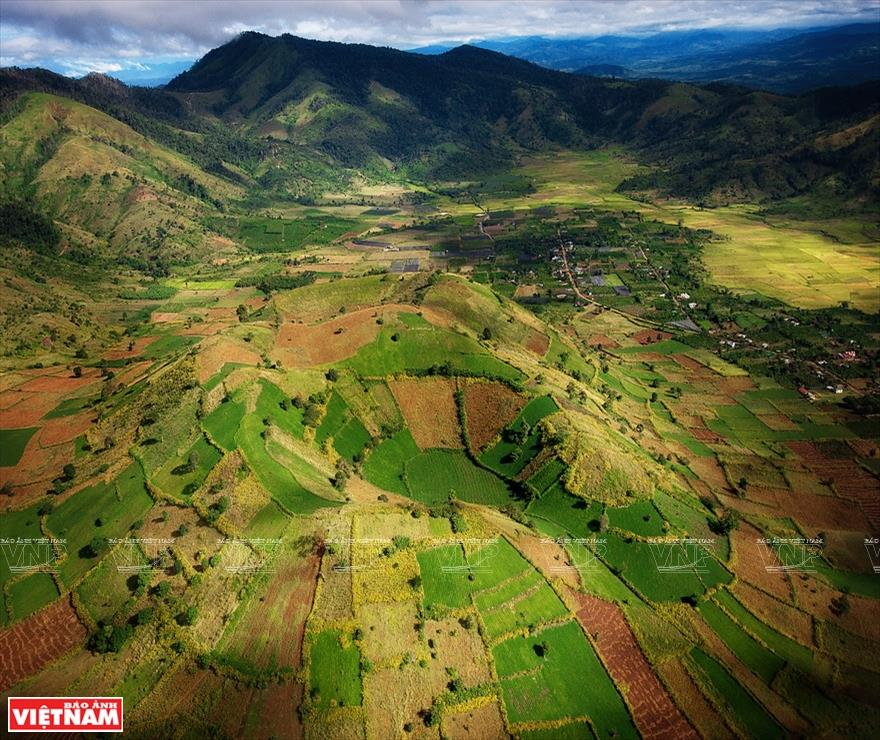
430, 411
27, 646
537, 342
489, 408
122, 351
65, 429
653, 711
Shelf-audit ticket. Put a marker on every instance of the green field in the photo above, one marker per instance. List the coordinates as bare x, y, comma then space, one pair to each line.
386, 465
277, 235
746, 712
223, 422
568, 665
12, 444
434, 476
760, 660
538, 606
115, 505
31, 594
276, 478
417, 350
509, 457
178, 477
334, 671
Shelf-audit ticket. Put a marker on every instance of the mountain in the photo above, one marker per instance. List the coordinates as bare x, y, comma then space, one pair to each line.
845, 55
782, 60
299, 117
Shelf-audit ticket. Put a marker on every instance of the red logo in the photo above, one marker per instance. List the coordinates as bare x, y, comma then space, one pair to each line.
64, 714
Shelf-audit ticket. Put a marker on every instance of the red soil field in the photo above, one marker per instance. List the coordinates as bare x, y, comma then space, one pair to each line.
27, 410
602, 340
122, 351
64, 429
489, 407
29, 645
650, 336
653, 711
63, 383
538, 343
430, 411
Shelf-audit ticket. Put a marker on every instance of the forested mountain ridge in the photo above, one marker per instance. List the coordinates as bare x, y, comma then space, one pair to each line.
314, 107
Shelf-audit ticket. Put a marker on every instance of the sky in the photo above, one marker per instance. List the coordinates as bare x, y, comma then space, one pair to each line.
148, 37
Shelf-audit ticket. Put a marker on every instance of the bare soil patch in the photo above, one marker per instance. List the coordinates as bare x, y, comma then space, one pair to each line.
30, 644
650, 336
652, 709
121, 351
65, 429
537, 342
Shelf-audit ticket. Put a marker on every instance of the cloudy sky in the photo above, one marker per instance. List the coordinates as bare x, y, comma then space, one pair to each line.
78, 36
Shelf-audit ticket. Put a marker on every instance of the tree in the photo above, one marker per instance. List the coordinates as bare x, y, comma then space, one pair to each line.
241, 312
69, 471
487, 334
188, 617
193, 460
77, 371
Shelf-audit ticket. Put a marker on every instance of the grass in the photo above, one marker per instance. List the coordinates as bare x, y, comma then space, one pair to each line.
70, 406
543, 605
31, 594
445, 579
506, 456
12, 444
270, 406
223, 422
435, 475
547, 475
792, 652
417, 350
385, 467
571, 514
276, 235
105, 590
759, 660
351, 439
116, 505
178, 477
640, 518
275, 478
568, 666
334, 671
746, 712
638, 563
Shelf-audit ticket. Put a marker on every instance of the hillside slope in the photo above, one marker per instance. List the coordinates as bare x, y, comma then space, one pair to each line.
298, 116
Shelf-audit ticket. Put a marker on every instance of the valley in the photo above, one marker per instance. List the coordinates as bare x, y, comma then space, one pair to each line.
292, 448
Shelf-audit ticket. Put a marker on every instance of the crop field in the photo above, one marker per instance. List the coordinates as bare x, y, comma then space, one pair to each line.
334, 670
510, 456
106, 510
434, 476
527, 679
488, 408
430, 411
506, 446
12, 444
745, 711
386, 465
31, 594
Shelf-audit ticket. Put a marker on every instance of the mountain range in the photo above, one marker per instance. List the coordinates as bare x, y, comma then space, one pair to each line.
284, 117
785, 60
